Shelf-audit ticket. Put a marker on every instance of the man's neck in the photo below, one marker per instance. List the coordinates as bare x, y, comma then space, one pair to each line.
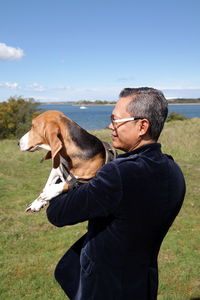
142, 143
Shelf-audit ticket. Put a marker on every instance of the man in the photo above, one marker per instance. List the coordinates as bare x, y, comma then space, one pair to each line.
130, 205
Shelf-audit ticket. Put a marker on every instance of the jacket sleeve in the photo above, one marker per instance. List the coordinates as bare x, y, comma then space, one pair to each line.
99, 197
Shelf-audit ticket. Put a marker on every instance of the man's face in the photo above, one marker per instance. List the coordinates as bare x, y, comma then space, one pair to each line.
125, 135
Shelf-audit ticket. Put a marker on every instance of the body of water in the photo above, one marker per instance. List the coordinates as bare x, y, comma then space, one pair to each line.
98, 116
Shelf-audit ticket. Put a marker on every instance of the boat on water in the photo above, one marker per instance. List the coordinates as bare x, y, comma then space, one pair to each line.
83, 107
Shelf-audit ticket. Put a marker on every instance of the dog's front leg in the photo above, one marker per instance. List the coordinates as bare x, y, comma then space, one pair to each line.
50, 190
36, 205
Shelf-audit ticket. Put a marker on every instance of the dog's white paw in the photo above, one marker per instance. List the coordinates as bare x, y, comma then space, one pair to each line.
52, 191
36, 205
47, 194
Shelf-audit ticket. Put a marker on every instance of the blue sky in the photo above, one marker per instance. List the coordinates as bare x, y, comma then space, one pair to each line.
90, 49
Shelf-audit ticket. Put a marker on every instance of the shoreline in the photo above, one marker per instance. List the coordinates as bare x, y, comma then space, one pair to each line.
73, 104
193, 103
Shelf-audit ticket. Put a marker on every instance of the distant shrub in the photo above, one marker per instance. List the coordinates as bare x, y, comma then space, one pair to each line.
174, 116
16, 115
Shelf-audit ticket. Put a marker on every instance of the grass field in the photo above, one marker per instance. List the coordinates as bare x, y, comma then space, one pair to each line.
31, 246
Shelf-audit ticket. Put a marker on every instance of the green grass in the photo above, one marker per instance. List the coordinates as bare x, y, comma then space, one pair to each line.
31, 246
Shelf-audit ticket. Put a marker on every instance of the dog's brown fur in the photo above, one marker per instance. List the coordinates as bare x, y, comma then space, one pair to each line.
76, 154
84, 152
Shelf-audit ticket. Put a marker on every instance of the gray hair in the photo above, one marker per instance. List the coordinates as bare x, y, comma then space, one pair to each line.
148, 103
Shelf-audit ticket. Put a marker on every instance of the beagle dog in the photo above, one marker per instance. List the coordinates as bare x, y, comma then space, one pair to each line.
76, 154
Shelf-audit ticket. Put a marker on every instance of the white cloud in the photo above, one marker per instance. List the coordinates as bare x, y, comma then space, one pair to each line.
87, 93
10, 85
36, 87
45, 98
73, 93
10, 53
125, 79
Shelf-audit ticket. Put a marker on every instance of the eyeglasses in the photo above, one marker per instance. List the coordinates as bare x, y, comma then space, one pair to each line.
113, 121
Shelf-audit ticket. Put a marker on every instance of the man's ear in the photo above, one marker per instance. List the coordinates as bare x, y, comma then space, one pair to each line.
144, 126
52, 132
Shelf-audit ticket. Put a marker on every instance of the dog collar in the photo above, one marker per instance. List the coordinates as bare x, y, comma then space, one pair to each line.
110, 152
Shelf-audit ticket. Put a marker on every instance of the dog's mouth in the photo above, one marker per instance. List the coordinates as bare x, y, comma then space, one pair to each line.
39, 147
34, 148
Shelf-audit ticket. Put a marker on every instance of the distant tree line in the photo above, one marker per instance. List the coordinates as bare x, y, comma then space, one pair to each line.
96, 102
184, 100
105, 102
15, 116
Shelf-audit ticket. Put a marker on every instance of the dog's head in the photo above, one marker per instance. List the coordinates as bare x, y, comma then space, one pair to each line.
44, 134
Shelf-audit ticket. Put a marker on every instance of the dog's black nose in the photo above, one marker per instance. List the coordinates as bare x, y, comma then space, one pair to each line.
18, 143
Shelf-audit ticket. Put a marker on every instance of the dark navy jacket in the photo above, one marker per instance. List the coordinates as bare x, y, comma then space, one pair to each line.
130, 205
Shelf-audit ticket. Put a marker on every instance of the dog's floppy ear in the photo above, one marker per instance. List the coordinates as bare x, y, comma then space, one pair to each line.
52, 131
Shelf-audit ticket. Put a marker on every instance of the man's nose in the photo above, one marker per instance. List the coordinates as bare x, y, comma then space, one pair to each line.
110, 126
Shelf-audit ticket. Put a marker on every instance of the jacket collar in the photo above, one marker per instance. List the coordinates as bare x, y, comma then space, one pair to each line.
146, 148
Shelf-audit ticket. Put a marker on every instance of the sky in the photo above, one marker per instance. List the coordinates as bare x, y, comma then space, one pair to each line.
69, 50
